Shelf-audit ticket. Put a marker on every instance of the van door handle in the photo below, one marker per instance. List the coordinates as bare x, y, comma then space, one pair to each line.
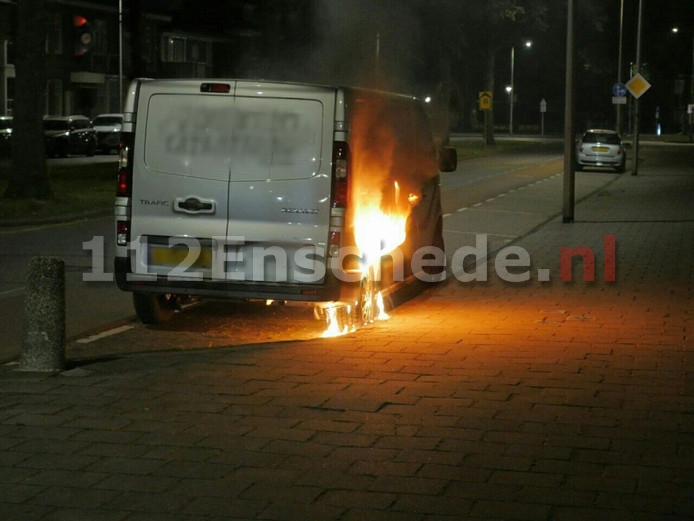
194, 205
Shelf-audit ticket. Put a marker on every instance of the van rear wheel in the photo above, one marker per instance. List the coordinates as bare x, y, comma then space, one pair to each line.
155, 308
365, 311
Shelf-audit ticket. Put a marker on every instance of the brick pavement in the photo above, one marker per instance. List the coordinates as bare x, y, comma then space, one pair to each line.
478, 401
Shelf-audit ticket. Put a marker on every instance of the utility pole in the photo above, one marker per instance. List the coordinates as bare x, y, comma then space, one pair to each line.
512, 91
618, 126
691, 95
120, 55
635, 168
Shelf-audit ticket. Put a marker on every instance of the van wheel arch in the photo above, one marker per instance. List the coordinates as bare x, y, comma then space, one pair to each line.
155, 308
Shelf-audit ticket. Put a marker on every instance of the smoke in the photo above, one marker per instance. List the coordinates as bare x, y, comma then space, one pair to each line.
367, 44
359, 43
393, 157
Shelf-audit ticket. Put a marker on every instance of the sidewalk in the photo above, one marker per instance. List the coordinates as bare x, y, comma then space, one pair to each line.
486, 400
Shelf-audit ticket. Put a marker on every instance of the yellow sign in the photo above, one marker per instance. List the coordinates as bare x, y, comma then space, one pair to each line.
485, 100
637, 85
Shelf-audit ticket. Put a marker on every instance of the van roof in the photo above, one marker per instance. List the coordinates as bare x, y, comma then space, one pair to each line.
260, 83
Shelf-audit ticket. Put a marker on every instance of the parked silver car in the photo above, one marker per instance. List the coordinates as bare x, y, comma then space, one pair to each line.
601, 148
69, 135
108, 128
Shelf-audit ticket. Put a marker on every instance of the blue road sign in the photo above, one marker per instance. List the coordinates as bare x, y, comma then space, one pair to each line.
619, 90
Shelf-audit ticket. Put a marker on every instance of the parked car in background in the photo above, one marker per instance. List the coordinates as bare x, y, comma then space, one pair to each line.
601, 148
107, 128
5, 135
69, 135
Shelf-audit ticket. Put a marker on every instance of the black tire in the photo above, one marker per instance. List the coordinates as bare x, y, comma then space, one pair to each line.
91, 150
62, 149
621, 168
365, 311
577, 167
155, 308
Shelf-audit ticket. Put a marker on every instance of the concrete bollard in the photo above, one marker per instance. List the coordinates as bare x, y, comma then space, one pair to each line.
43, 339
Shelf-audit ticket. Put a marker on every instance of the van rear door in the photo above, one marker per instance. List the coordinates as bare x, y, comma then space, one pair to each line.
279, 181
180, 178
240, 170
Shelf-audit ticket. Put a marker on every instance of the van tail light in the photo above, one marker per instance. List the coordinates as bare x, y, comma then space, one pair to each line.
340, 174
122, 233
124, 186
333, 244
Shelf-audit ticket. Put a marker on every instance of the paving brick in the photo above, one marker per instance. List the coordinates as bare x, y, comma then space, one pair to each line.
436, 505
408, 485
510, 510
360, 514
358, 499
69, 514
76, 498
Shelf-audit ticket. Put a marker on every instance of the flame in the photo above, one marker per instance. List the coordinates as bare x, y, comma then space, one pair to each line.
377, 233
380, 203
333, 322
381, 308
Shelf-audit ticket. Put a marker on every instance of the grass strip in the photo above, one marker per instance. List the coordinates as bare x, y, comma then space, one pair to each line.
76, 189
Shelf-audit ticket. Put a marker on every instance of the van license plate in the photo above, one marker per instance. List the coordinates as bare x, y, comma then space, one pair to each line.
175, 256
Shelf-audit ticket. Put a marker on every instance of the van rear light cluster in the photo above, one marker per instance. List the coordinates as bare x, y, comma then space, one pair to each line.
334, 244
122, 233
340, 174
125, 169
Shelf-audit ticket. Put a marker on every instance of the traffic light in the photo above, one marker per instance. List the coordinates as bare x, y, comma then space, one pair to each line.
83, 35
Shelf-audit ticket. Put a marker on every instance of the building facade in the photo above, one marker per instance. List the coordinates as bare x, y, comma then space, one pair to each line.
94, 48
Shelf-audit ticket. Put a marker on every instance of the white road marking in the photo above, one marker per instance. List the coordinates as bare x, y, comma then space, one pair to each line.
104, 334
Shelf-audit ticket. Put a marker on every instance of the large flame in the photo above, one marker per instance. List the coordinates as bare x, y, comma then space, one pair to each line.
377, 233
380, 199
379, 209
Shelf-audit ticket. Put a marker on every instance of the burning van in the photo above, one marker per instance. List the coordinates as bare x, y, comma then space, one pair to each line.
237, 189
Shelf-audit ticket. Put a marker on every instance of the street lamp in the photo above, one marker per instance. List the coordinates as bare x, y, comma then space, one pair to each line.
510, 88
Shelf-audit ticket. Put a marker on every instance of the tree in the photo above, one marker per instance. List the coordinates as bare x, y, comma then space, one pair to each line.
500, 24
470, 34
28, 176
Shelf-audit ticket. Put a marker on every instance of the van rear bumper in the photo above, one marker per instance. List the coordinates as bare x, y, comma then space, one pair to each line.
332, 290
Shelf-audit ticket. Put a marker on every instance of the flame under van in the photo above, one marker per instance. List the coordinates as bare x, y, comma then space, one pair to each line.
238, 189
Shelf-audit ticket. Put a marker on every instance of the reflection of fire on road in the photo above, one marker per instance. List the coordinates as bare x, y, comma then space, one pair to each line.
380, 202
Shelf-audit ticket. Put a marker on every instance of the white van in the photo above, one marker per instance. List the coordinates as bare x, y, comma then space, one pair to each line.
238, 189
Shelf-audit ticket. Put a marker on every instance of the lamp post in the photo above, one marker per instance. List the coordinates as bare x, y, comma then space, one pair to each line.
510, 91
120, 55
618, 126
511, 88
